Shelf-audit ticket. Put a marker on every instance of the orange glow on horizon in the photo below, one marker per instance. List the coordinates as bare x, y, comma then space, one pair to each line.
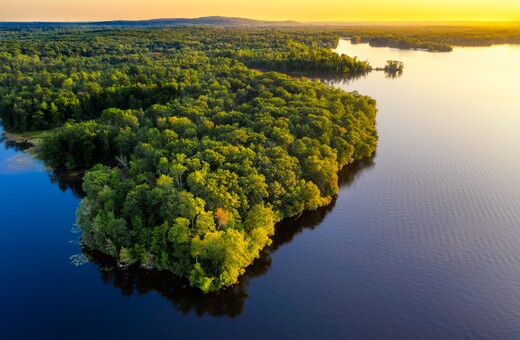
303, 10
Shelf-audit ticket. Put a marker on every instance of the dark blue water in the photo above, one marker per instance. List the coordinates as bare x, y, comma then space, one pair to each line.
423, 241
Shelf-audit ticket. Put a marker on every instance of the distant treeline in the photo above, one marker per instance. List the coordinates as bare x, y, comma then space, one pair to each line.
432, 38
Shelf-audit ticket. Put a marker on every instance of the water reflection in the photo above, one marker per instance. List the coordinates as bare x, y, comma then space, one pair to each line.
335, 78
228, 302
392, 75
68, 180
16, 146
12, 143
137, 281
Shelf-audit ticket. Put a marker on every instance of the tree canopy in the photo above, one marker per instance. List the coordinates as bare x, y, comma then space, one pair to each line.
194, 156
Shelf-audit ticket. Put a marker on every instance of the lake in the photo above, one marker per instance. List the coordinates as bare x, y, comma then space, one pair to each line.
423, 240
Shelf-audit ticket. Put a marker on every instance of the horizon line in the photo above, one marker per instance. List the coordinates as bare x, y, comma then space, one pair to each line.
264, 20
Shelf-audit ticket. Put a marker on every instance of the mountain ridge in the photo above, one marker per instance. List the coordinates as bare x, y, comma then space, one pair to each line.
216, 21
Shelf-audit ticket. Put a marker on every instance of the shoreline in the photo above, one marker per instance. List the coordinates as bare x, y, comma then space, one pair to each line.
27, 142
14, 137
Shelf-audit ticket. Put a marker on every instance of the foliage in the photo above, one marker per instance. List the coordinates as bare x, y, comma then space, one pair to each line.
393, 66
50, 77
197, 155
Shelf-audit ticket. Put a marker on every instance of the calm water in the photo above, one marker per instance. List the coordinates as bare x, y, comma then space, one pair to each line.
423, 241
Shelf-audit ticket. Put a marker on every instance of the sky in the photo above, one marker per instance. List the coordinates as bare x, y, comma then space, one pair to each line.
299, 10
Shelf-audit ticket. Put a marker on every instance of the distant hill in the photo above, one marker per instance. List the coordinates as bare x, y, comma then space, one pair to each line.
216, 21
219, 21
204, 21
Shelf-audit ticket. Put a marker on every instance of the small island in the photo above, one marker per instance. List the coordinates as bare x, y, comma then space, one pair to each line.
393, 67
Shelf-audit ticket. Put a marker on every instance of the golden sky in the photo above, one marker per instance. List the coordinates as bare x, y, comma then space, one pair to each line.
300, 10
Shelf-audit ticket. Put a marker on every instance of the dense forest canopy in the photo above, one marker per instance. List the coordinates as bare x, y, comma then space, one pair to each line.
48, 77
194, 155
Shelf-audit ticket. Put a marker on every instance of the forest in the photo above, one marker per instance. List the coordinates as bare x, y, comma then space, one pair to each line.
195, 147
51, 76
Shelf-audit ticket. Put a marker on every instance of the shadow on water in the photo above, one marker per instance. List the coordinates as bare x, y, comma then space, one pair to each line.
230, 301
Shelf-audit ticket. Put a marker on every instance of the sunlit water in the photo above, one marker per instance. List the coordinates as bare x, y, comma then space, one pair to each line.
422, 242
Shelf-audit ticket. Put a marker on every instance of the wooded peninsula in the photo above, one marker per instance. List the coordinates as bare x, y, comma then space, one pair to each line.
193, 154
